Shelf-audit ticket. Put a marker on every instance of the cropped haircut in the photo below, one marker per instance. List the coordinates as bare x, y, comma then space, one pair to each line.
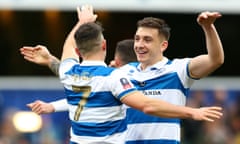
88, 37
125, 51
157, 23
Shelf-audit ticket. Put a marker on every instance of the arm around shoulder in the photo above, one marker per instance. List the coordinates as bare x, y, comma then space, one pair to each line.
161, 108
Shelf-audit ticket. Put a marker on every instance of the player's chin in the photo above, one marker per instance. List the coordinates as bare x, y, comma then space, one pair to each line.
141, 58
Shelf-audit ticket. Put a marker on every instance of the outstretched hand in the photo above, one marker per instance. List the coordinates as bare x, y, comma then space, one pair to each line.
86, 14
207, 113
41, 107
207, 18
38, 54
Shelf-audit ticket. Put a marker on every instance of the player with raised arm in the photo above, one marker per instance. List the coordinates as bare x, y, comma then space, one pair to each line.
170, 80
95, 93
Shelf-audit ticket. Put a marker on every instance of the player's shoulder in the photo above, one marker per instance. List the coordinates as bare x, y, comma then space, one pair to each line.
133, 64
130, 65
69, 60
66, 65
95, 70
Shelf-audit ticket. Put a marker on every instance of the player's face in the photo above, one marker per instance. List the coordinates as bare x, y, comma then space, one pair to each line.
148, 46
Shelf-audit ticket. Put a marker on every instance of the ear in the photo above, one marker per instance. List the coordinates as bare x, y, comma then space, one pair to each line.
104, 45
117, 63
112, 63
78, 52
164, 46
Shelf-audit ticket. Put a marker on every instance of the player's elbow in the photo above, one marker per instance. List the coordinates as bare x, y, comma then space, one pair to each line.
219, 61
149, 109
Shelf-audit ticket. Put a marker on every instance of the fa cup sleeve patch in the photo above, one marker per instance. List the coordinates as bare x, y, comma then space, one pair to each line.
125, 83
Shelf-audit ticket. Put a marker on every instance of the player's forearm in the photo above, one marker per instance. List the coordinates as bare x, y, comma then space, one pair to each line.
164, 109
54, 64
214, 45
70, 45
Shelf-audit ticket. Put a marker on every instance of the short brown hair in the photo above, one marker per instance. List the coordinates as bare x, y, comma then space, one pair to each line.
157, 23
125, 51
88, 37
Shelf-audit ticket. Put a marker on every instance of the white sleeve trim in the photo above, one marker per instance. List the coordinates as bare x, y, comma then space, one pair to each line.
60, 105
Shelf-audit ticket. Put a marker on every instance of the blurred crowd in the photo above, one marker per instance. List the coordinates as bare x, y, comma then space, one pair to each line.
50, 133
223, 131
55, 127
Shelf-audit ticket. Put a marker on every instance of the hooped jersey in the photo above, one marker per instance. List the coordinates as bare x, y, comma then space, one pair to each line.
93, 93
167, 80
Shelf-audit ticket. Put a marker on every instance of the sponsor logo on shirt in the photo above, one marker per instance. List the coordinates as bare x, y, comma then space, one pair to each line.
152, 92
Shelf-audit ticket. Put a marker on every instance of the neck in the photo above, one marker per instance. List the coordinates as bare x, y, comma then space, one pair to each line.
147, 64
94, 57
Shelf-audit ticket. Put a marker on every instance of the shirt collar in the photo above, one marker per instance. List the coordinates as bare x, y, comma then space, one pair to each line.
155, 66
93, 63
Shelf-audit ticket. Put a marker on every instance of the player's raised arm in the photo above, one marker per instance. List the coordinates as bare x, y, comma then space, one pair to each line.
85, 14
203, 65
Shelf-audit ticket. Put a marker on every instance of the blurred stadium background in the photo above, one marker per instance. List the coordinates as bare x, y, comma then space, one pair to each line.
32, 22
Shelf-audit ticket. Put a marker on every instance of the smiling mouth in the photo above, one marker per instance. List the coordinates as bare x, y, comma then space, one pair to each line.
141, 52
